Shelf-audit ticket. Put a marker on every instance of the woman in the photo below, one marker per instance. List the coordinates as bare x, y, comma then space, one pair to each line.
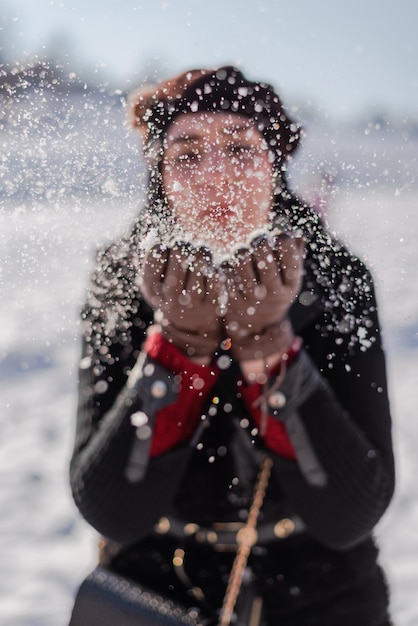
230, 331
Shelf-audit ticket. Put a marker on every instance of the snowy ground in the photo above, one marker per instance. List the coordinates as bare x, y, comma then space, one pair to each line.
48, 230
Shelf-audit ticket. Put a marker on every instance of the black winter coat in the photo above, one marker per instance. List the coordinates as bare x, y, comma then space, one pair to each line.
338, 419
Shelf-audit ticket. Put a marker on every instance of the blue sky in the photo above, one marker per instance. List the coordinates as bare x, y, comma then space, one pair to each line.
343, 56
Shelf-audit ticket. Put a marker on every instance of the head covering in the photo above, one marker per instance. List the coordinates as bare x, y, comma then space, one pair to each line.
223, 90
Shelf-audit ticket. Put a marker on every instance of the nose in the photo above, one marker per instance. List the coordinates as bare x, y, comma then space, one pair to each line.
217, 163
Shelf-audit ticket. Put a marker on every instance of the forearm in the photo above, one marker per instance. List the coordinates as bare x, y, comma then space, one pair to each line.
122, 484
117, 508
341, 484
339, 481
114, 505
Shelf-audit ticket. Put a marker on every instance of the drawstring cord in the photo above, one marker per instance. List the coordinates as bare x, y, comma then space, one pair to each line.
246, 538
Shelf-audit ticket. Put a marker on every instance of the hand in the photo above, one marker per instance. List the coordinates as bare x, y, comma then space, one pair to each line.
262, 282
181, 284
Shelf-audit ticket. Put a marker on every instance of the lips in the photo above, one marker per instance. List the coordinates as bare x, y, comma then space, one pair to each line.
219, 211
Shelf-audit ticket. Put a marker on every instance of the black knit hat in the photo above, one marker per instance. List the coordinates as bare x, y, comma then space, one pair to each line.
222, 90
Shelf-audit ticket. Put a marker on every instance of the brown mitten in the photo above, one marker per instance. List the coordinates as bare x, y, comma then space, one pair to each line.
262, 282
181, 284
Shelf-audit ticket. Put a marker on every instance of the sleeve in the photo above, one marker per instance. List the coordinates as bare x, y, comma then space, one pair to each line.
330, 435
261, 401
192, 383
121, 488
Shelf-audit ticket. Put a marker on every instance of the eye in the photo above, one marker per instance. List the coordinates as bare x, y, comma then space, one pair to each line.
241, 150
190, 157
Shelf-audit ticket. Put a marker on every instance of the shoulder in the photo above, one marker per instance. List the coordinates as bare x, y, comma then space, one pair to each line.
114, 311
344, 286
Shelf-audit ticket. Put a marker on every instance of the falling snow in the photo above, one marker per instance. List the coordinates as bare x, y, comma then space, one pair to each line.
71, 178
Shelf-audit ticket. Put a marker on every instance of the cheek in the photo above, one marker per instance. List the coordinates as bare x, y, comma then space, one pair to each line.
182, 203
175, 189
177, 184
259, 182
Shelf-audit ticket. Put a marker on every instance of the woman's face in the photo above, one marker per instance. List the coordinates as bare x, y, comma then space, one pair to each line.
217, 174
